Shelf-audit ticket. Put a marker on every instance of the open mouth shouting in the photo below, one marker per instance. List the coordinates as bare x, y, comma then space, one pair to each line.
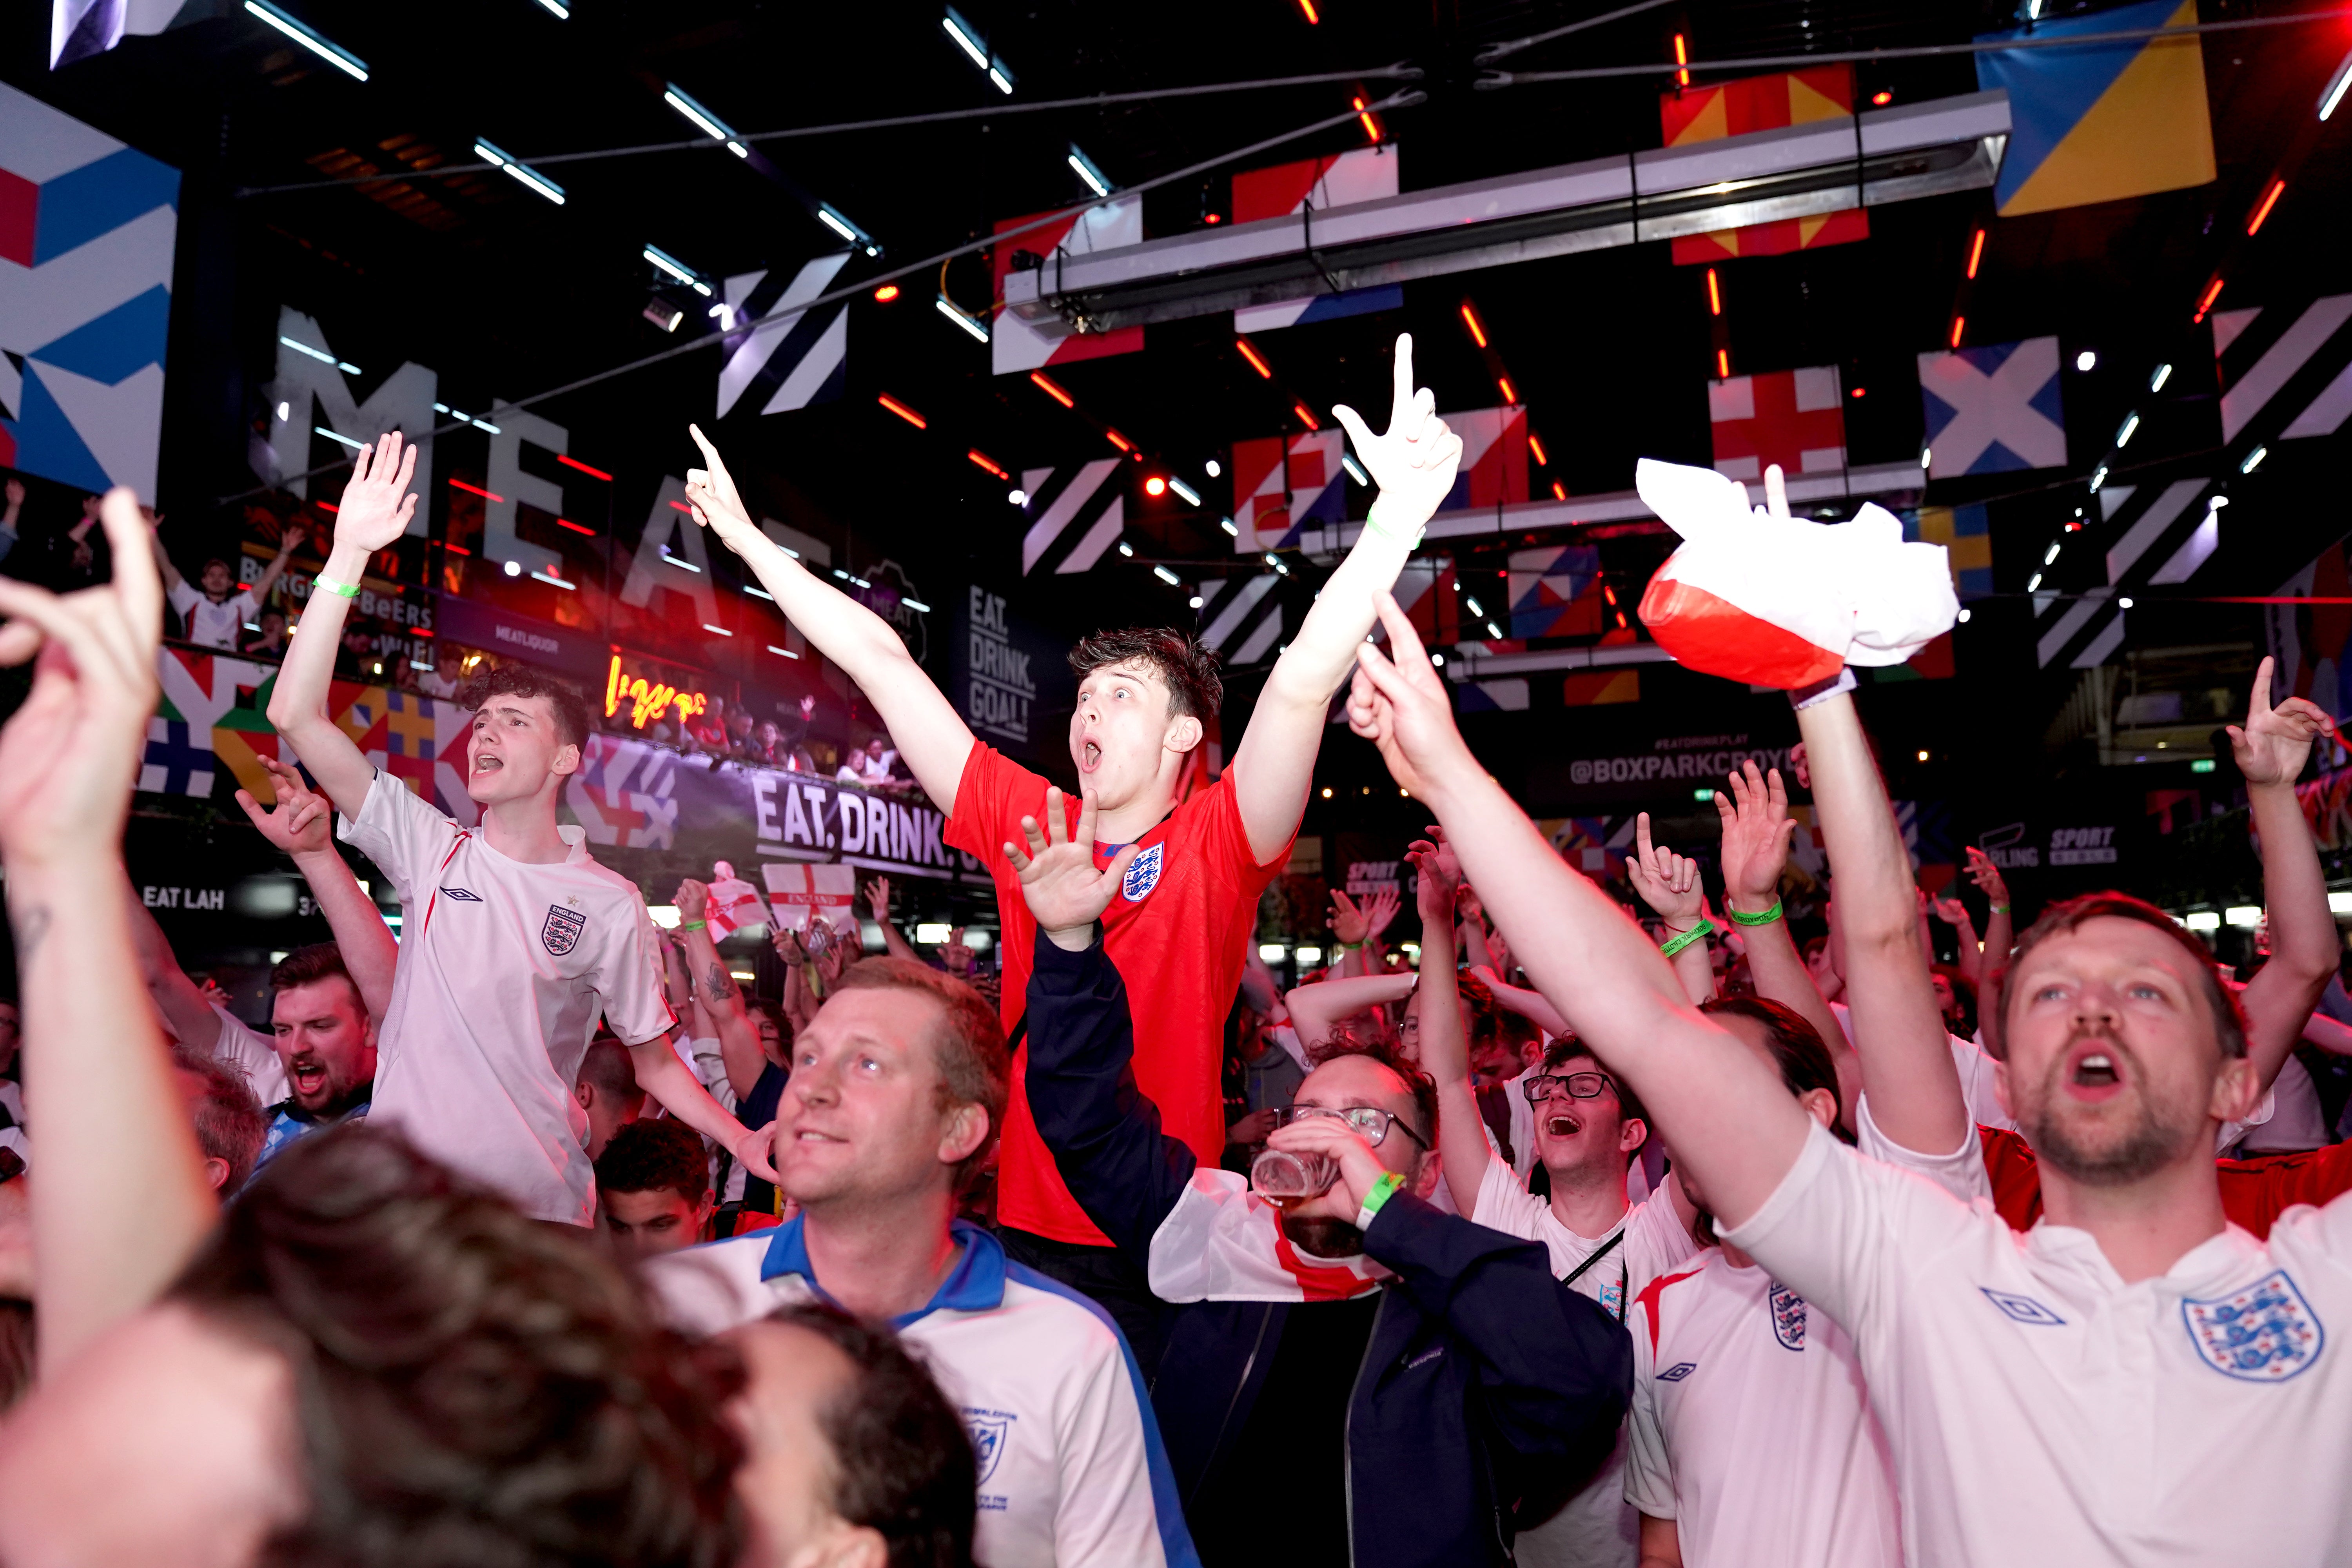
2093, 1071
1562, 1126
307, 1075
1089, 756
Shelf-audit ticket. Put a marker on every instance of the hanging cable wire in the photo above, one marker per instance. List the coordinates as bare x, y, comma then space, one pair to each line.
1403, 99
1494, 52
1399, 73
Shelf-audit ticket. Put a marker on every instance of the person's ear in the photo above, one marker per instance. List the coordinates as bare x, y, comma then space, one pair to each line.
1425, 1176
215, 1172
843, 1545
1820, 1105
967, 1130
1184, 732
567, 761
2001, 1087
585, 1093
2237, 1090
1631, 1134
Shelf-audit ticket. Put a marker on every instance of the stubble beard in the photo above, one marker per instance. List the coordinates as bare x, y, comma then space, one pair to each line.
2106, 1157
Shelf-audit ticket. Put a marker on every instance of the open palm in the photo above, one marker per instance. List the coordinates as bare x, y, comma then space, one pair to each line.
1755, 831
1065, 891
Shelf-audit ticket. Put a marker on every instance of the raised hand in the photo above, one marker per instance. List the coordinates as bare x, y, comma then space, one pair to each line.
1379, 910
1401, 707
1667, 882
877, 899
717, 504
1986, 875
1414, 462
955, 953
1952, 913
1756, 828
787, 943
1798, 765
300, 820
2274, 743
1438, 877
1347, 922
693, 899
1065, 893
377, 503
69, 755
291, 541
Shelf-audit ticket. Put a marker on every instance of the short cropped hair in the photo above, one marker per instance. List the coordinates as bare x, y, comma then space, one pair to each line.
229, 1125
968, 1046
1195, 687
1804, 1062
1567, 1049
570, 709
608, 1070
2229, 1019
470, 1385
655, 1154
903, 1464
1417, 1083
309, 965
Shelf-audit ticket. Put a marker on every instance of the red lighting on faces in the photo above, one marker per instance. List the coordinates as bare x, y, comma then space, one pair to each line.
1470, 319
1881, 98
1307, 9
903, 411
1038, 379
1371, 126
1975, 252
1119, 441
2270, 200
1959, 322
576, 463
1682, 57
1536, 446
1155, 486
474, 490
1257, 362
1306, 416
1510, 394
985, 461
1714, 294
2212, 292
1722, 364
885, 294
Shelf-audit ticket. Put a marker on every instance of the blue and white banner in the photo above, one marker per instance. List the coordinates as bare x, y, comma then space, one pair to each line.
1994, 410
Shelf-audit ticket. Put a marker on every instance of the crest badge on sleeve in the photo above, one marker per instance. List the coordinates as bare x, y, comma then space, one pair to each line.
1142, 874
562, 933
2264, 1333
1787, 1317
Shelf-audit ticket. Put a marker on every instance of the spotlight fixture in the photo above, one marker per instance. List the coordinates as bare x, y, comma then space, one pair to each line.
2088, 359
885, 294
949, 308
663, 262
489, 152
1096, 180
702, 120
1155, 486
335, 55
830, 216
1212, 468
967, 38
662, 314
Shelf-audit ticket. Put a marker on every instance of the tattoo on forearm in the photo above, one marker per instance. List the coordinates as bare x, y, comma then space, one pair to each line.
721, 985
32, 925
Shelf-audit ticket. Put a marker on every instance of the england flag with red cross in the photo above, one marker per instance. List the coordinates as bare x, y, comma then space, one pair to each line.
1793, 417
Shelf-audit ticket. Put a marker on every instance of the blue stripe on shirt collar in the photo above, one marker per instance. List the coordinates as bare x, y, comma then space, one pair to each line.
976, 1283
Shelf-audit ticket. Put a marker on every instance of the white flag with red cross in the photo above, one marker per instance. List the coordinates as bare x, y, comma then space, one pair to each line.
1793, 417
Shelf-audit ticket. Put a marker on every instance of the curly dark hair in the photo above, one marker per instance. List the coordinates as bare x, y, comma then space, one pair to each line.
1419, 1084
902, 1460
570, 709
1195, 687
472, 1387
655, 1154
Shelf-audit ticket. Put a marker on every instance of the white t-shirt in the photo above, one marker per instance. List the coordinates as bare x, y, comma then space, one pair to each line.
504, 967
211, 625
2041, 1411
1971, 1061
252, 1053
1751, 1427
2296, 1122
1596, 1528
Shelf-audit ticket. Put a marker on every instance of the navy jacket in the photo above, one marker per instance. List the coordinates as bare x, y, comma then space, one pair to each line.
1485, 1379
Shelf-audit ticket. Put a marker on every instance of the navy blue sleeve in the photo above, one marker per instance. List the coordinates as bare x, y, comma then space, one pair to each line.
1104, 1133
1556, 1371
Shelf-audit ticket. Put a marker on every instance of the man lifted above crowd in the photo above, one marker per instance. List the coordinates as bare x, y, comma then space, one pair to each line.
1188, 904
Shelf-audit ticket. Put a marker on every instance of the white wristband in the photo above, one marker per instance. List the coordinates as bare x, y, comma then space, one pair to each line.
1804, 697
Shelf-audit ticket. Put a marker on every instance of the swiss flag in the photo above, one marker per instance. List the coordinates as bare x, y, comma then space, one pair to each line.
1793, 417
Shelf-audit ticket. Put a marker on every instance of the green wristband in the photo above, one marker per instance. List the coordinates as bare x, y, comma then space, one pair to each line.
326, 585
1672, 945
694, 925
1998, 908
1762, 918
1382, 1190
1409, 541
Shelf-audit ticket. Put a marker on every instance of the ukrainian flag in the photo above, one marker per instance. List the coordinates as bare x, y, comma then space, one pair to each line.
2103, 121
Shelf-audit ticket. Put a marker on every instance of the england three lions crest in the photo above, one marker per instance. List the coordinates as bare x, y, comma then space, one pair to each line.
2264, 1333
1787, 1317
1142, 874
562, 933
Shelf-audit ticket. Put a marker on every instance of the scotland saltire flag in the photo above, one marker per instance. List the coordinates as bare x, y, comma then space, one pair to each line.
87, 229
801, 357
1301, 190
1075, 514
1994, 410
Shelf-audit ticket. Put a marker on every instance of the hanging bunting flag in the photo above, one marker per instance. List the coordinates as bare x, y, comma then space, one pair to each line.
1696, 114
1084, 505
1494, 470
2102, 121
2300, 358
1966, 542
1018, 346
1281, 486
1600, 687
1431, 598
1555, 591
1301, 190
799, 358
1240, 619
1506, 695
1994, 410
1793, 417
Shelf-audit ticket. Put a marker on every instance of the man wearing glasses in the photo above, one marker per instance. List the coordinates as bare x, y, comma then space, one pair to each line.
1349, 1376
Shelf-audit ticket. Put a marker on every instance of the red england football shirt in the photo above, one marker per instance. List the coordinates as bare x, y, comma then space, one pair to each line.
2255, 1192
1178, 930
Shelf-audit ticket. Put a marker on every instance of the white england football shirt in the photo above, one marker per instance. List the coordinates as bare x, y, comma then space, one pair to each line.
504, 967
2041, 1411
252, 1053
1072, 1474
211, 625
1596, 1527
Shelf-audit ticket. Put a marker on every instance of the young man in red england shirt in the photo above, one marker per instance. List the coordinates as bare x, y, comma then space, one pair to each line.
1187, 905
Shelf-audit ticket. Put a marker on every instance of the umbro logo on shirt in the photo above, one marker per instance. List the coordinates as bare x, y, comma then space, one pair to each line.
2024, 1309
463, 895
1679, 1370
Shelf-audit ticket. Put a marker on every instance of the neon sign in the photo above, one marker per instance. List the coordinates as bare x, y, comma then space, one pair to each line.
647, 700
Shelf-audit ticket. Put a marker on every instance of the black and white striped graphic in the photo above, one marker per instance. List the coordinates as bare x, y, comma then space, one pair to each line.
1241, 617
2286, 373
2164, 530
1075, 514
801, 357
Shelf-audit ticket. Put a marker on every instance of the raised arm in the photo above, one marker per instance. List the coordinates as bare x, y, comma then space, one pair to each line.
1414, 464
2271, 750
302, 823
715, 990
1669, 884
181, 1005
1954, 913
1898, 1031
1444, 1048
1717, 1102
894, 941
1755, 831
1315, 1010
277, 567
923, 724
121, 1201
1527, 1005
1999, 930
376, 507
